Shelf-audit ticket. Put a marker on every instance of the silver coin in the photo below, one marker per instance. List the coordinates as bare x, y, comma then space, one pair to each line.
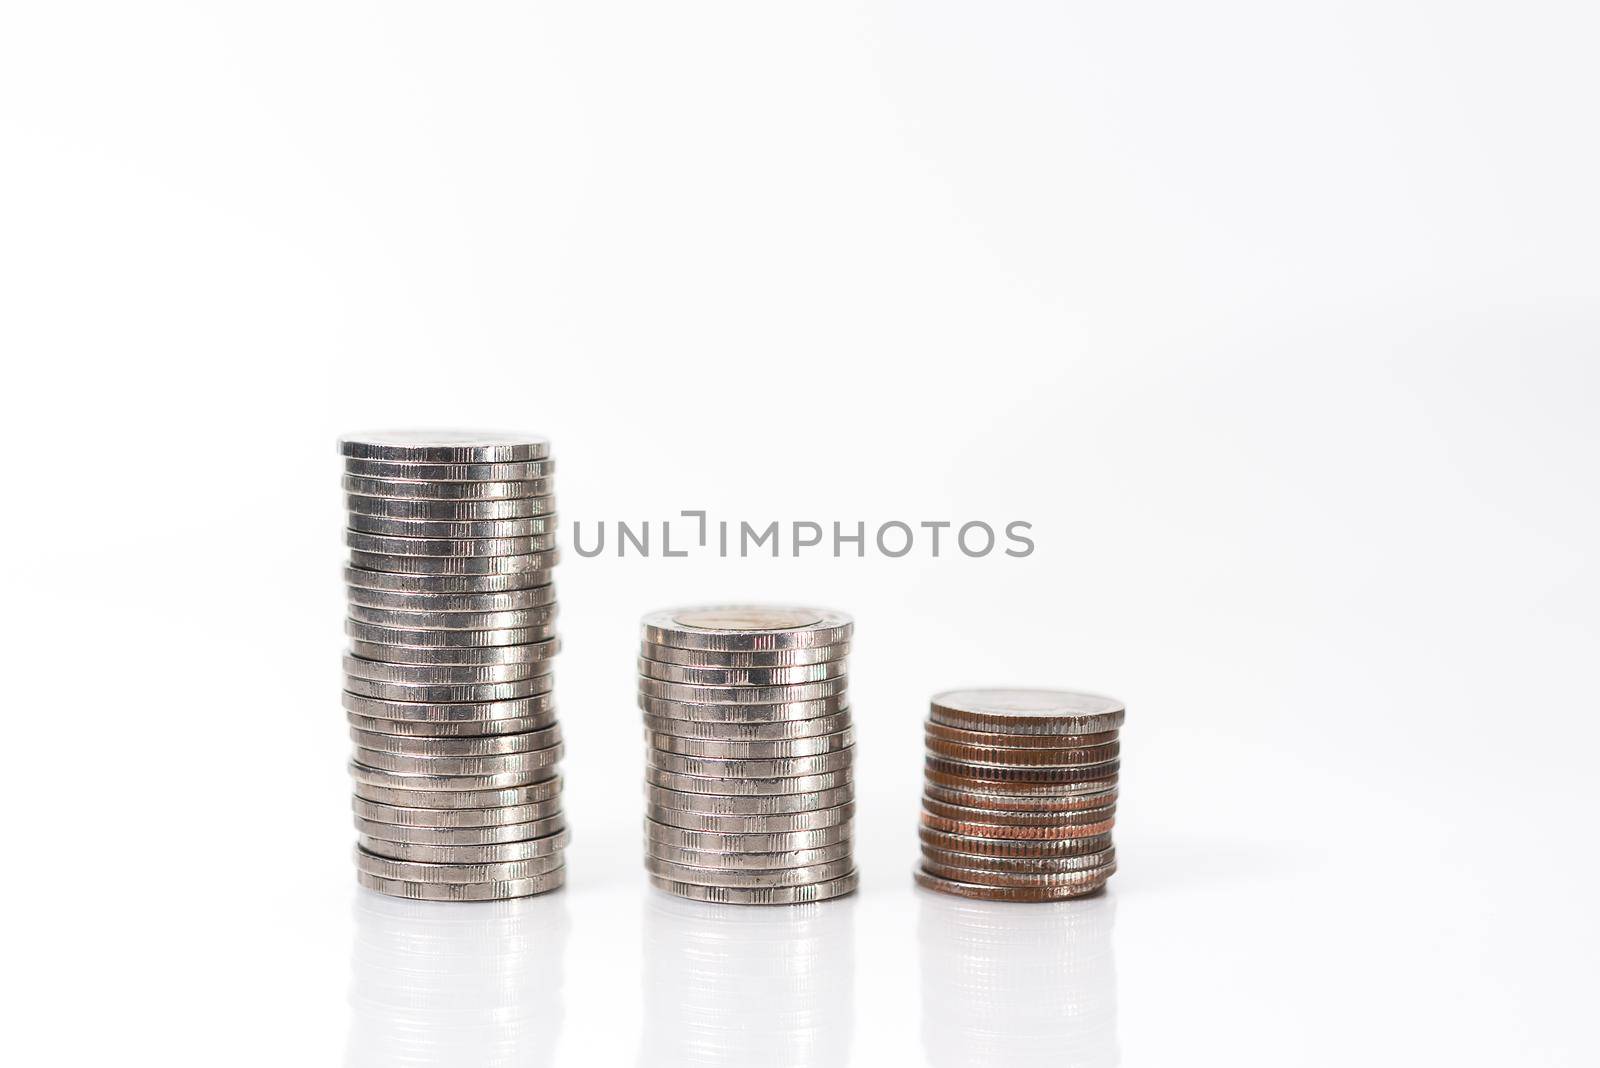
504, 890
749, 877
457, 565
720, 713
711, 658
786, 784
740, 749
827, 837
1030, 756
780, 823
525, 527
1012, 847
370, 776
773, 805
450, 511
544, 831
1030, 789
442, 674
700, 858
741, 771
1014, 774
944, 858
471, 692
424, 872
745, 627
450, 547
454, 639
1026, 711
542, 616
394, 582
975, 798
444, 446
533, 850
450, 728
766, 895
402, 745
688, 729
529, 653
411, 471
999, 893
742, 695
507, 601
446, 712
421, 796
734, 676
964, 815
447, 491
453, 818
403, 764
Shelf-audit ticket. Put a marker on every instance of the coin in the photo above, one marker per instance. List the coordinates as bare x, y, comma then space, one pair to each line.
450, 728
787, 784
444, 446
482, 746
550, 833
495, 891
516, 617
963, 814
740, 749
405, 816
749, 877
449, 547
1016, 893
742, 695
1020, 788
781, 823
394, 582
1035, 757
688, 729
745, 627
504, 601
747, 842
747, 770
1026, 711
721, 804
526, 563
449, 712
449, 511
413, 471
442, 674
473, 692
1012, 847
433, 872
539, 852
527, 653
998, 773
402, 764
366, 775
741, 676
447, 491
821, 654
1010, 740
525, 527
935, 859
419, 795
721, 713
454, 639
769, 895
700, 858
1029, 831
973, 798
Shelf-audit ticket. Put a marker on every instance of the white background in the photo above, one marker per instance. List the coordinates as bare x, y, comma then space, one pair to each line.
1277, 320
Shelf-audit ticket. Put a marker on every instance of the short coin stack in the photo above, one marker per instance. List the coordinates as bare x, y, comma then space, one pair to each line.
1019, 794
749, 753
447, 677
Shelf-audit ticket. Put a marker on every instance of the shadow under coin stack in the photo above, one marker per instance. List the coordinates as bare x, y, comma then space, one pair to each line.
1019, 794
749, 754
447, 678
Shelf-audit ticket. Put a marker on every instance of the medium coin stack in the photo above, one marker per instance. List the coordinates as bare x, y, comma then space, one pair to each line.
447, 677
749, 750
1019, 794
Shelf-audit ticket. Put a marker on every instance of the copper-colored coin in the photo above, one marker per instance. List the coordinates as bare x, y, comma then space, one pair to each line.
973, 798
1012, 830
1009, 740
1013, 847
1092, 877
1024, 818
1002, 774
934, 858
1010, 893
1035, 757
1021, 788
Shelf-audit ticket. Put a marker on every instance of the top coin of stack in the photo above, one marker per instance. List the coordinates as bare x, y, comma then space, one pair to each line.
749, 788
448, 688
1019, 794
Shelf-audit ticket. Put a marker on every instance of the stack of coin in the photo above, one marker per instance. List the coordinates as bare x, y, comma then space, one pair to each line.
1019, 794
749, 752
447, 678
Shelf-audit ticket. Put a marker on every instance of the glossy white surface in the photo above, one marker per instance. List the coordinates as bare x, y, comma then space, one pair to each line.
1276, 320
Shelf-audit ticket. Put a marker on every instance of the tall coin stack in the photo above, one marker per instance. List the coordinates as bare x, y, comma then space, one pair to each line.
447, 678
749, 754
1019, 794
